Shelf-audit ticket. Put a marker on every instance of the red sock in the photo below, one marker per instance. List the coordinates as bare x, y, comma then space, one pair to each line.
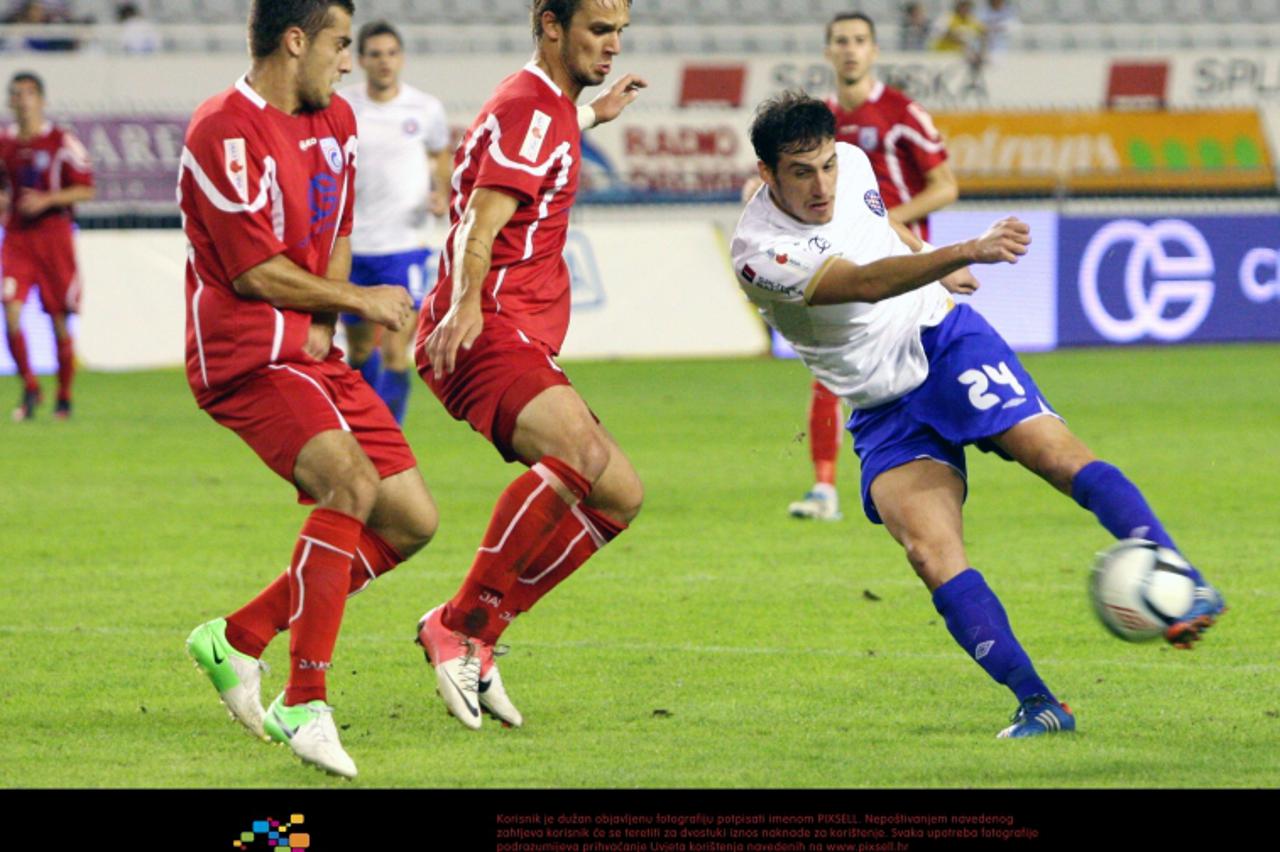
318, 579
66, 368
18, 349
374, 557
582, 532
251, 627
824, 433
526, 515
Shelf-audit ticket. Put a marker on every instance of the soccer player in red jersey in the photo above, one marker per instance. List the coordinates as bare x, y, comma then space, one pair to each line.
266, 192
488, 336
910, 164
45, 170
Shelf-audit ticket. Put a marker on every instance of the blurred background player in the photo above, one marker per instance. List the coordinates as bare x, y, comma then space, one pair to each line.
910, 164
402, 181
265, 188
45, 170
488, 337
867, 306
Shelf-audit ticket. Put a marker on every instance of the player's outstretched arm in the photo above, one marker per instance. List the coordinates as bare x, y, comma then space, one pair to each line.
843, 281
284, 284
488, 211
610, 103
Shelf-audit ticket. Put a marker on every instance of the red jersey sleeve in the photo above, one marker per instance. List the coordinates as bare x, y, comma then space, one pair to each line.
74, 158
922, 142
229, 179
519, 149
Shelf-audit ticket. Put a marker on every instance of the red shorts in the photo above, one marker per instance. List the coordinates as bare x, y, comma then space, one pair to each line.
278, 409
43, 258
494, 380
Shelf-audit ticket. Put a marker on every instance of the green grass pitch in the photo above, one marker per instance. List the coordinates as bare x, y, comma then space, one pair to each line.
717, 644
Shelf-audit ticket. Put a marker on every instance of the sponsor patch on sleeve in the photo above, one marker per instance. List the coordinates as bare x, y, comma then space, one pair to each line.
539, 124
237, 165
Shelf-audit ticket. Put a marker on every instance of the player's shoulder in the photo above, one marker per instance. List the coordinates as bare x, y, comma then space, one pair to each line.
850, 156
414, 96
893, 99
225, 114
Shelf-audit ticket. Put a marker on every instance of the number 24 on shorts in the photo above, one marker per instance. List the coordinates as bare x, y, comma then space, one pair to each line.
980, 381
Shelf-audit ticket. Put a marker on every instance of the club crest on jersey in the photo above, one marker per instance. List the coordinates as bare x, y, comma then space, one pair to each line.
42, 160
535, 136
237, 165
410, 126
874, 201
868, 138
332, 152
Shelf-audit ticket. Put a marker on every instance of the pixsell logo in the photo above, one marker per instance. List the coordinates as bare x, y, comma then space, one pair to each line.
1164, 283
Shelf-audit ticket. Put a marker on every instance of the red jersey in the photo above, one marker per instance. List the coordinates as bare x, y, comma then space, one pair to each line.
525, 142
51, 161
254, 183
899, 138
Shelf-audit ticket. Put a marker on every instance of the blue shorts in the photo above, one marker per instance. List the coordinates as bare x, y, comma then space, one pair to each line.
976, 389
412, 270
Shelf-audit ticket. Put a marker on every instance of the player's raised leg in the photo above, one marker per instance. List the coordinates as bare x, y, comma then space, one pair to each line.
826, 431
1047, 447
920, 503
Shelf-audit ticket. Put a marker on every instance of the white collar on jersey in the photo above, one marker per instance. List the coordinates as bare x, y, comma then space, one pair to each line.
876, 91
533, 69
243, 87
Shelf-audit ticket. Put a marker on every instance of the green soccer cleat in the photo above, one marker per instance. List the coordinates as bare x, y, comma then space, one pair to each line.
236, 676
310, 732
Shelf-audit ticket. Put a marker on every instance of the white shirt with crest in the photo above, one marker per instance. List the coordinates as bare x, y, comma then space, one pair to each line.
393, 177
866, 353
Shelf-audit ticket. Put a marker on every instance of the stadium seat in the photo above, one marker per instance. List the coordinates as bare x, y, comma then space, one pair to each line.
1225, 11
1147, 11
1186, 11
1036, 11
1074, 11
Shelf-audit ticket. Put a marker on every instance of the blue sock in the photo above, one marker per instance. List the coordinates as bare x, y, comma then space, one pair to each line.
978, 623
371, 369
1119, 506
393, 387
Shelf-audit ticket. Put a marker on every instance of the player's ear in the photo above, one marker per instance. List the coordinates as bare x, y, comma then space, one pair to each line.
294, 42
552, 29
766, 174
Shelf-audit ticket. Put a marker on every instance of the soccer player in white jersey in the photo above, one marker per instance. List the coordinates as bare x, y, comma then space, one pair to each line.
867, 307
403, 180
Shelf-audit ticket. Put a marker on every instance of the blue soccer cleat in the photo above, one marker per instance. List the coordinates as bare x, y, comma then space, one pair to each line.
1208, 606
1039, 714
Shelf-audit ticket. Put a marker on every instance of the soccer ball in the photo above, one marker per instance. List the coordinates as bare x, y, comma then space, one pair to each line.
1139, 589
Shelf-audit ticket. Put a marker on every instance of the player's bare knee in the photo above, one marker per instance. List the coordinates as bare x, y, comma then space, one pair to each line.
931, 560
350, 487
585, 451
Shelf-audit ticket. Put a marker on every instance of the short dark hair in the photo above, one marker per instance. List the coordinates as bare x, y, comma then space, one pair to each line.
564, 10
851, 16
28, 77
790, 123
268, 19
376, 28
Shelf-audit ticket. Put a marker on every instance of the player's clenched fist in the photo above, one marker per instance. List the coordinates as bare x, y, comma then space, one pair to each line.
388, 305
1004, 242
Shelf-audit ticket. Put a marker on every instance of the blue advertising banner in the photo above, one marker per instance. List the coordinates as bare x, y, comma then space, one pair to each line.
1149, 281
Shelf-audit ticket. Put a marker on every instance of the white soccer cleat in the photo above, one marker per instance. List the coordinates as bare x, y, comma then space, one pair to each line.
821, 503
457, 660
493, 696
310, 732
236, 676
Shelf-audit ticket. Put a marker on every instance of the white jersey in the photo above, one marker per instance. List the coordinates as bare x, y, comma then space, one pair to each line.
393, 177
866, 353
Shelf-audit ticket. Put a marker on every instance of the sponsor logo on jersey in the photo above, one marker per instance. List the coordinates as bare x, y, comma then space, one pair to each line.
323, 200
308, 144
535, 136
332, 152
819, 244
773, 286
874, 202
237, 165
748, 273
868, 138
